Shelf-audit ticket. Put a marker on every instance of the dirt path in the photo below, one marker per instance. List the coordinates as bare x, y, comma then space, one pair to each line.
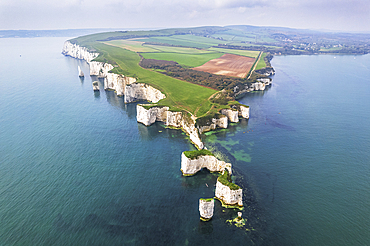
255, 64
196, 111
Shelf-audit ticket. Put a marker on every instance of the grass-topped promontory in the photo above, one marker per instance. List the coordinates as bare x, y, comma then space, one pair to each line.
179, 94
207, 199
225, 179
194, 154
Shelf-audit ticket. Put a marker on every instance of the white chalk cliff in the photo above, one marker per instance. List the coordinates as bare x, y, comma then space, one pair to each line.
192, 166
227, 195
170, 118
220, 122
116, 82
140, 91
76, 51
206, 208
232, 114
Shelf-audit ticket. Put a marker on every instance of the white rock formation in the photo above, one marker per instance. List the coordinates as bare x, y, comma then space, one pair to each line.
227, 195
117, 82
78, 52
190, 167
266, 81
232, 115
206, 208
259, 86
149, 116
100, 69
220, 122
80, 73
137, 92
170, 118
244, 111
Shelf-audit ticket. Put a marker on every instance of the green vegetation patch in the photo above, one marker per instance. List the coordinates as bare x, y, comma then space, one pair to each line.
135, 46
248, 53
194, 154
207, 119
175, 49
179, 94
225, 179
261, 63
149, 106
207, 199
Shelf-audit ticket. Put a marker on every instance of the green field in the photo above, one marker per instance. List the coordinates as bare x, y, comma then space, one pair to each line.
248, 53
184, 40
261, 63
135, 46
179, 94
189, 47
174, 49
189, 60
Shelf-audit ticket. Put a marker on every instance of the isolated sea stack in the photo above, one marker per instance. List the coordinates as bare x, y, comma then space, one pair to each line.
80, 73
95, 86
206, 207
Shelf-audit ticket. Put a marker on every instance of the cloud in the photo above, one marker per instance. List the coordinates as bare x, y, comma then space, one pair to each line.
46, 14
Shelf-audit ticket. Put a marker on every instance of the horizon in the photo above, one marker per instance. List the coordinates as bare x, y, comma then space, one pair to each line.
162, 28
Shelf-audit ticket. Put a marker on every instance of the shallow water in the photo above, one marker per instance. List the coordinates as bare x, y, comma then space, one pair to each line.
77, 169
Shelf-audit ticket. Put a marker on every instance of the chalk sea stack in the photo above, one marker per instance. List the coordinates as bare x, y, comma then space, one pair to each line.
206, 207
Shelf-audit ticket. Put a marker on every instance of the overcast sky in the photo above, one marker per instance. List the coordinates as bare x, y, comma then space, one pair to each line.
342, 15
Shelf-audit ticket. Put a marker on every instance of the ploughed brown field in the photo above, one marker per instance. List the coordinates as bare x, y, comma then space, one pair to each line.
229, 65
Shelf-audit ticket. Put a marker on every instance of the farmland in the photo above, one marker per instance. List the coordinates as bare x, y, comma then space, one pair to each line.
228, 64
178, 61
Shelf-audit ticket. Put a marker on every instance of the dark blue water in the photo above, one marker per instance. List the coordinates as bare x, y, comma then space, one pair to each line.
77, 169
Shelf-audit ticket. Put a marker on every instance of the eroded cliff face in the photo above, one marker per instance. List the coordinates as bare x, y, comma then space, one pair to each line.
138, 92
170, 118
259, 86
149, 116
232, 115
99, 69
229, 196
244, 112
221, 122
191, 167
206, 208
117, 82
78, 52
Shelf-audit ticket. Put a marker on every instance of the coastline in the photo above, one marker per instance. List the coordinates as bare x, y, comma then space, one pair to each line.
147, 114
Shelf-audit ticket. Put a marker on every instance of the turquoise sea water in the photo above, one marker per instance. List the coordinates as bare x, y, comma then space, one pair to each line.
77, 169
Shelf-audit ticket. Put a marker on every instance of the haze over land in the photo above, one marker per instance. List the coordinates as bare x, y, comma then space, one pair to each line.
339, 15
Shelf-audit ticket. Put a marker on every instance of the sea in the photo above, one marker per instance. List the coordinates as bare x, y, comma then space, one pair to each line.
77, 169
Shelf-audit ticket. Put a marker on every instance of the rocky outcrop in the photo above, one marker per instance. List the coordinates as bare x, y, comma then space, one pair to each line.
206, 208
148, 114
99, 69
80, 73
76, 51
243, 111
117, 82
192, 166
220, 122
232, 115
227, 195
259, 86
139, 92
151, 115
266, 81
